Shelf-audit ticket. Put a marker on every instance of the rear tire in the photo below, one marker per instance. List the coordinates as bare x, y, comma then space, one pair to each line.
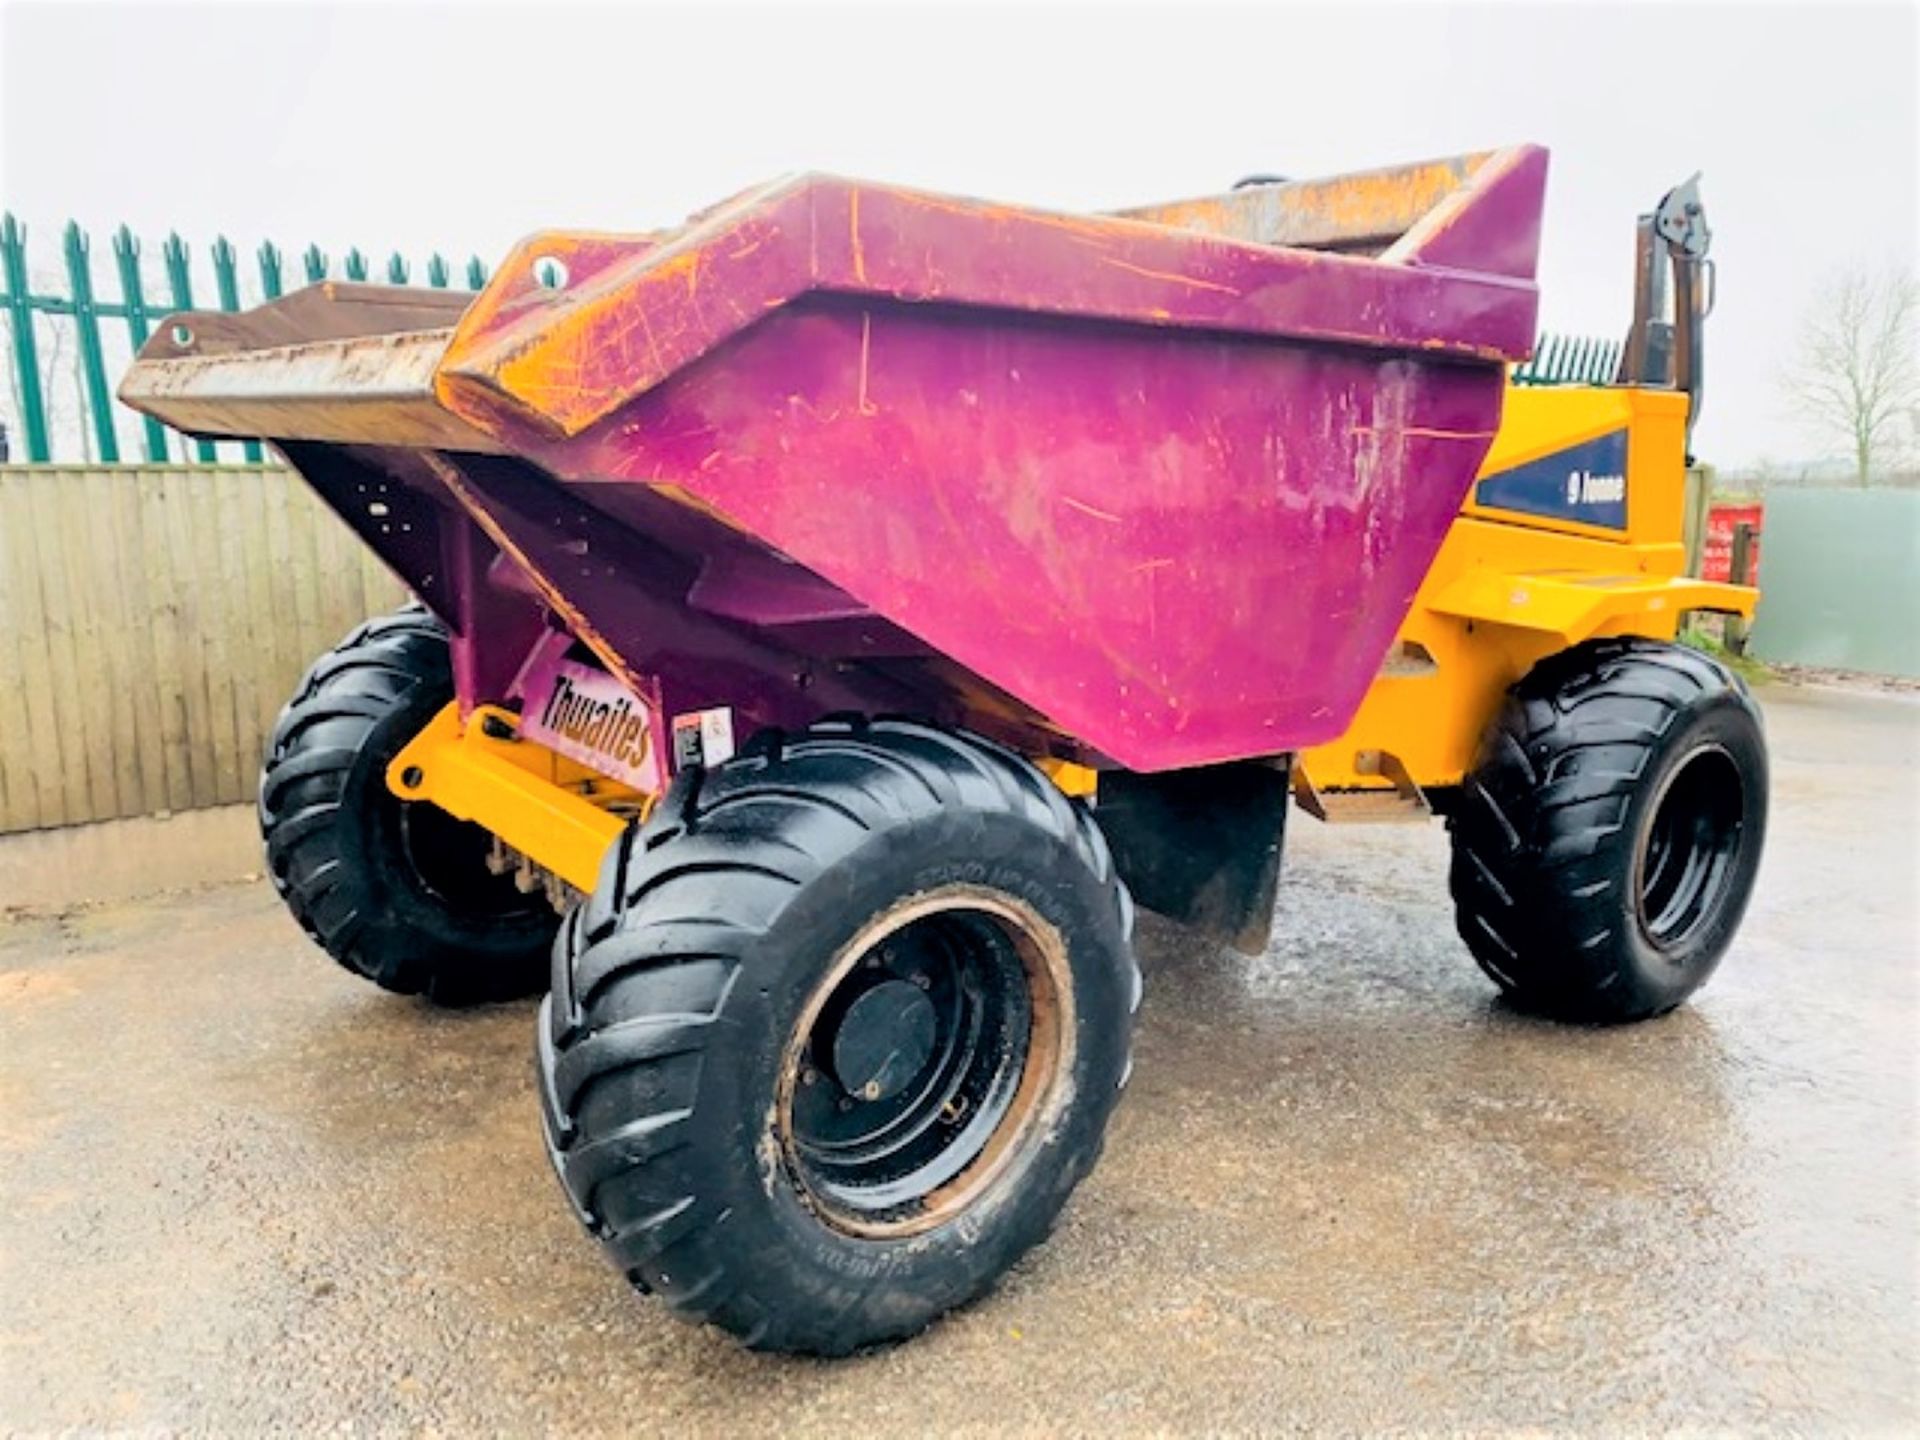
838, 1033
397, 892
1605, 847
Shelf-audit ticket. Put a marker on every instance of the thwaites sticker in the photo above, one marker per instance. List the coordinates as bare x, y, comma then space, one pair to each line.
588, 716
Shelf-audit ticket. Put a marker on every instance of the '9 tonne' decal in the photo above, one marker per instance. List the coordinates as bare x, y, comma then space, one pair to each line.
1586, 483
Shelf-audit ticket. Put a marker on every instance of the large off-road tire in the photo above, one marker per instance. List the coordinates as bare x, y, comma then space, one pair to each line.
397, 892
1605, 846
838, 1032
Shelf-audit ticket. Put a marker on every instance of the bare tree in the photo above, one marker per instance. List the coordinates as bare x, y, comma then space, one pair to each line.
1854, 378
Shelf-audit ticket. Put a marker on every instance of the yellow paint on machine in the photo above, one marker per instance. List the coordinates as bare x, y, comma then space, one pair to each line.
1509, 589
552, 810
1076, 780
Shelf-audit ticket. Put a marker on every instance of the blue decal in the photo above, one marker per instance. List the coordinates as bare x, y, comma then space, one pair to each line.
1587, 483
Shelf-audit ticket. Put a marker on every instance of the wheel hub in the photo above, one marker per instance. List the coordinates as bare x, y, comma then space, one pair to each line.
927, 1051
1687, 853
884, 1040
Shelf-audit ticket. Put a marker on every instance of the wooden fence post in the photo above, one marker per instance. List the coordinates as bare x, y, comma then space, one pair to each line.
1740, 572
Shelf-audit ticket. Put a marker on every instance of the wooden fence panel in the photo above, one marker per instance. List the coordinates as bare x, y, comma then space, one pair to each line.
152, 621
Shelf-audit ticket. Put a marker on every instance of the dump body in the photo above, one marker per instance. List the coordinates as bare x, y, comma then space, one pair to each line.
1150, 490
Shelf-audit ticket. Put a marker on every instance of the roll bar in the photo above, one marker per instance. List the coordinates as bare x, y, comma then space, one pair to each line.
1671, 301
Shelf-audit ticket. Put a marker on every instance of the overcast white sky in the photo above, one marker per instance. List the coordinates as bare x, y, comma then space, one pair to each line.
422, 127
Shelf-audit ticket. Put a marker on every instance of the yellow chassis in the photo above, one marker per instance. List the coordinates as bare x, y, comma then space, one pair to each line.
1507, 589
557, 813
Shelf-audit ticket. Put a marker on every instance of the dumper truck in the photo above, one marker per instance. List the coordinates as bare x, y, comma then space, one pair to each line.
834, 614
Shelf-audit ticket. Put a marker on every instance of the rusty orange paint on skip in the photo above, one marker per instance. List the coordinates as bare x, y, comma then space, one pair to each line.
565, 361
517, 307
1376, 204
1396, 196
853, 235
1171, 276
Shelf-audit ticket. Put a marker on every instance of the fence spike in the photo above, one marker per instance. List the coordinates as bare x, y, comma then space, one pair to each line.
93, 361
436, 271
133, 303
33, 408
226, 280
1523, 372
316, 263
180, 281
270, 272
397, 268
476, 273
356, 264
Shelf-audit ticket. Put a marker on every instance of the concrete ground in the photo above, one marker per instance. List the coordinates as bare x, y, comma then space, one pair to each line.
1346, 1190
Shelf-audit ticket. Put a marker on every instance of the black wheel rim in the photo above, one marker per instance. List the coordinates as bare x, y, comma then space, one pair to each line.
1692, 837
922, 1059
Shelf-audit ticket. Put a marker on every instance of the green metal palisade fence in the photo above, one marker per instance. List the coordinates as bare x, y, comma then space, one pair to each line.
1571, 360
55, 311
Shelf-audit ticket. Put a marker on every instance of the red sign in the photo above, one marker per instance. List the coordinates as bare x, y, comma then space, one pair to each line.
1716, 551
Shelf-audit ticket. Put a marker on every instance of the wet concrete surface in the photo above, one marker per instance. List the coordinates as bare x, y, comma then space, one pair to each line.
1346, 1189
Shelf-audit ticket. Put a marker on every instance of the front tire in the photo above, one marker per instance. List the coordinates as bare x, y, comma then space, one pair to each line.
838, 1032
397, 892
1605, 846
